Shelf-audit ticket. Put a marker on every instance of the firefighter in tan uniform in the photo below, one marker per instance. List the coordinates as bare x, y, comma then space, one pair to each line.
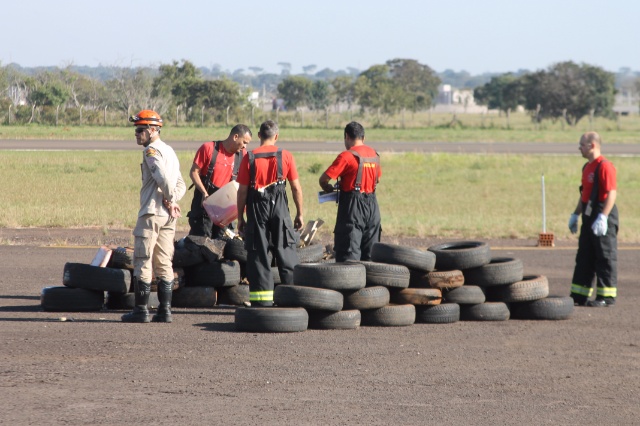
162, 188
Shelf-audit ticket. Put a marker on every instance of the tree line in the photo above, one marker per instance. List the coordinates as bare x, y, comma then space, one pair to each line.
183, 93
566, 91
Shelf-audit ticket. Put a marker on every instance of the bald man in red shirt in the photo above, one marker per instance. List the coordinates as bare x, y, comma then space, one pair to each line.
597, 255
215, 164
358, 219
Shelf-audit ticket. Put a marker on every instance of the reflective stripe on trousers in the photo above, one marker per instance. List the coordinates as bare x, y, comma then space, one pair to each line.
261, 296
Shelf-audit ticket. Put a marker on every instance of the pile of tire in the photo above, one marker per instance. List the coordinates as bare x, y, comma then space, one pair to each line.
206, 272
344, 296
487, 288
85, 286
234, 251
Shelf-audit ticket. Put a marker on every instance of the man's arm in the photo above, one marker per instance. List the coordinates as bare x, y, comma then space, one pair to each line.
195, 178
578, 209
241, 202
180, 190
296, 192
324, 183
609, 202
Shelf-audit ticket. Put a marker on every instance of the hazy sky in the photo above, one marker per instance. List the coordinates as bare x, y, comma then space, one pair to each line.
474, 35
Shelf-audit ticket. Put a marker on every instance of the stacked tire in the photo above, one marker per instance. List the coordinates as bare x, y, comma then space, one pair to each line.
423, 285
235, 250
84, 288
456, 258
493, 288
315, 301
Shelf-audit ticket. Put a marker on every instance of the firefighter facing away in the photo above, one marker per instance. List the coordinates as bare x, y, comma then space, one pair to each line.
262, 180
358, 219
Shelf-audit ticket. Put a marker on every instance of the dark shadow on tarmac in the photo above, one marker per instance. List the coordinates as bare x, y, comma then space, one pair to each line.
224, 327
21, 297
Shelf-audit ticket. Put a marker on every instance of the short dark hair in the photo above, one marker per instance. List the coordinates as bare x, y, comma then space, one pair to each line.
240, 130
268, 129
354, 131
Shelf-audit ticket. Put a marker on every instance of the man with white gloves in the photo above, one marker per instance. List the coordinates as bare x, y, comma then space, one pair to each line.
598, 243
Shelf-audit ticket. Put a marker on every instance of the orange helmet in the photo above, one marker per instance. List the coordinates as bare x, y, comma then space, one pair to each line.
146, 116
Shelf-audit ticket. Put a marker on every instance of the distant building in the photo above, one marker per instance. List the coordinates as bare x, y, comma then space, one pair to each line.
254, 98
457, 100
627, 102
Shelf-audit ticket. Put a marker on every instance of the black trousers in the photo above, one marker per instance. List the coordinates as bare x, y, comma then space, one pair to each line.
357, 226
597, 257
199, 220
269, 228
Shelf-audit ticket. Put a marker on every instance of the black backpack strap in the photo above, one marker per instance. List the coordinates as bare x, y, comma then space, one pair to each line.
212, 163
236, 165
252, 167
593, 197
361, 162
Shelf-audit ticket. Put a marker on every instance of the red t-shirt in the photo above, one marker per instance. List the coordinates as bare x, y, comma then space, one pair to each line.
606, 179
223, 168
345, 166
267, 168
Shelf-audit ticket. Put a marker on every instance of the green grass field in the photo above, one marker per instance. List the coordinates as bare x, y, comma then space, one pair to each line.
444, 195
418, 128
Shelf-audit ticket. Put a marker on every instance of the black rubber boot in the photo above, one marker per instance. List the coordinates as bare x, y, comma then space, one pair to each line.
140, 312
579, 300
163, 314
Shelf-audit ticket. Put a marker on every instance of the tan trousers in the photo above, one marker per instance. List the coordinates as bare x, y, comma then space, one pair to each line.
153, 249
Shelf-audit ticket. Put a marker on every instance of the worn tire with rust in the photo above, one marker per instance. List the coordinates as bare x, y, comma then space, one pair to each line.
436, 279
417, 296
390, 316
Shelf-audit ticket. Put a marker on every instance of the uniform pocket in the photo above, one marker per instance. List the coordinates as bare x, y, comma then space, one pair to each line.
142, 245
343, 237
290, 237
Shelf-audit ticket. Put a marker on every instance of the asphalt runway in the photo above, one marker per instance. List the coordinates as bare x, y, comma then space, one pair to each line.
78, 368
337, 146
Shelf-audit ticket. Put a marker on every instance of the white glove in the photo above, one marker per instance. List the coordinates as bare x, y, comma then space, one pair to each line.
573, 223
599, 227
